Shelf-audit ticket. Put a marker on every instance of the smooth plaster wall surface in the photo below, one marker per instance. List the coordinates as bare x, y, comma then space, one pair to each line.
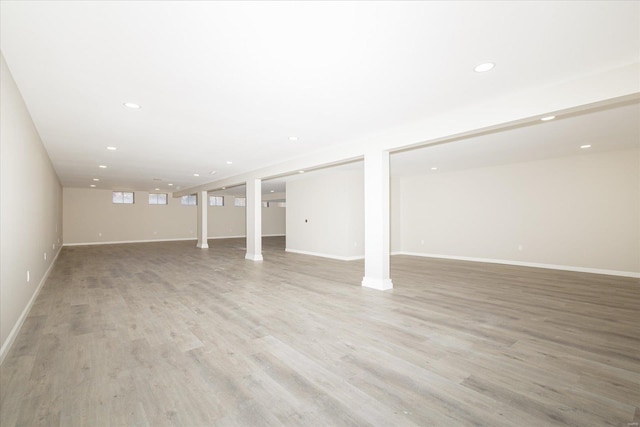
90, 216
332, 204
580, 211
31, 209
395, 210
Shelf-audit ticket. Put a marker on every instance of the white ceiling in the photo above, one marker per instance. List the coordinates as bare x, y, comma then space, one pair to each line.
615, 128
222, 81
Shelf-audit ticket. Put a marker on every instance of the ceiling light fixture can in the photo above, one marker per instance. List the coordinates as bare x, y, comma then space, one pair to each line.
484, 67
132, 105
586, 146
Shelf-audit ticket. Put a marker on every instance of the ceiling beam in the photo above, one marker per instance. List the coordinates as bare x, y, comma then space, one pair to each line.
520, 109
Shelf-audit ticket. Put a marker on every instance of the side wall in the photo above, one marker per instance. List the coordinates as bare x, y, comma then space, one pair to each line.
325, 212
580, 212
395, 211
31, 211
91, 217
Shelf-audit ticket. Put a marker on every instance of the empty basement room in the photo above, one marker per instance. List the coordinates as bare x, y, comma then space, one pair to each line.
320, 213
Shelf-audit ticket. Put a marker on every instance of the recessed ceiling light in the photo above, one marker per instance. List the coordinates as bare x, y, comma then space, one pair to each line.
170, 185
546, 119
293, 138
157, 189
132, 105
224, 188
485, 66
96, 179
229, 162
586, 146
93, 186
434, 168
273, 191
196, 174
112, 148
300, 171
102, 167
213, 172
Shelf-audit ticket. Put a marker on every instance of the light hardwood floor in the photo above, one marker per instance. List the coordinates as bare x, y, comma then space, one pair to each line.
165, 334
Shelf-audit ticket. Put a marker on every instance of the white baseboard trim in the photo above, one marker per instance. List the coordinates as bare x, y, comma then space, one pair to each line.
338, 257
6, 346
120, 242
243, 236
526, 264
378, 284
226, 237
254, 257
182, 239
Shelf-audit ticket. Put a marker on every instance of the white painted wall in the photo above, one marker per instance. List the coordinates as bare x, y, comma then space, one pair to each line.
31, 211
332, 204
91, 217
581, 211
395, 207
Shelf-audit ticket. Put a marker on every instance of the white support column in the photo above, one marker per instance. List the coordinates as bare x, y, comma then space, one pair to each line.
202, 220
254, 220
376, 221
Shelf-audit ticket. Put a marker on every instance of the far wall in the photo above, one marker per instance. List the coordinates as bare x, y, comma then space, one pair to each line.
90, 216
325, 212
579, 212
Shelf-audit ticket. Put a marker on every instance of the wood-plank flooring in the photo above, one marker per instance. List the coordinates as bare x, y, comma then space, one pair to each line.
164, 334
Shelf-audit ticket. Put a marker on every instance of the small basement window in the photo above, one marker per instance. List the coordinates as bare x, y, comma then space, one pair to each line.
123, 197
216, 200
189, 200
158, 199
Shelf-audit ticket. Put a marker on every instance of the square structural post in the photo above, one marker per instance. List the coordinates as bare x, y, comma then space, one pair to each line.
202, 220
254, 220
376, 221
